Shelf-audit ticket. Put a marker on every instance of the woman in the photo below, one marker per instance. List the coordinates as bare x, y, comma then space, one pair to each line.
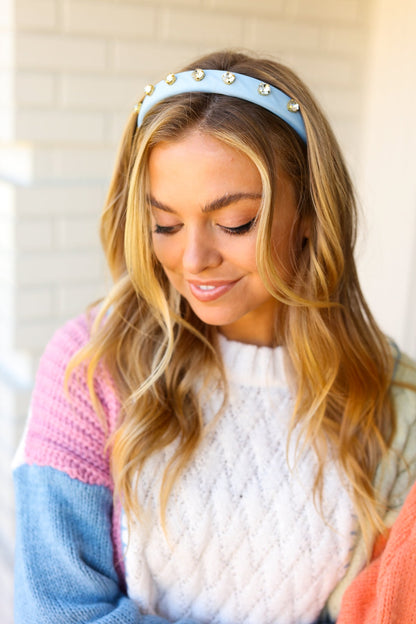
228, 434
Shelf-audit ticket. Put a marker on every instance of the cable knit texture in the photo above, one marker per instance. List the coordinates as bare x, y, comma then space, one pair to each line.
244, 541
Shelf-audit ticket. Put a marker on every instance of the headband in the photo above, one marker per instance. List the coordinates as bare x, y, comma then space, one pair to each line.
225, 83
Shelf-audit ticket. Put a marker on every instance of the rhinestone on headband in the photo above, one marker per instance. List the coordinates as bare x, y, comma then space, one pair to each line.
228, 78
198, 74
170, 79
293, 106
225, 83
149, 88
264, 88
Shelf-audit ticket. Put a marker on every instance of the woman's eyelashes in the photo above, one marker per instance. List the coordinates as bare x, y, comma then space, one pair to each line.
241, 229
166, 229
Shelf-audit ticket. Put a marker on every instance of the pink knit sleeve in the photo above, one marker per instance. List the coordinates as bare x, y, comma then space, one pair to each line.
64, 431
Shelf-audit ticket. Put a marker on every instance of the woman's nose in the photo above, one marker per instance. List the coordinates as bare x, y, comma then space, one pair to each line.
200, 251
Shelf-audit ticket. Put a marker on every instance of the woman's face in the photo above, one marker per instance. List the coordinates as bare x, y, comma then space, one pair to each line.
205, 196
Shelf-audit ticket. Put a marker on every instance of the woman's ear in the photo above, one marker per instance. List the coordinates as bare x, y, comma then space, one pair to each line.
307, 225
305, 229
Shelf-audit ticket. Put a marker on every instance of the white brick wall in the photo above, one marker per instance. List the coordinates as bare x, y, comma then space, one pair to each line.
37, 200
95, 92
124, 19
149, 58
328, 11
59, 52
209, 29
283, 35
34, 303
36, 14
50, 126
40, 267
85, 163
265, 7
56, 236
70, 71
35, 89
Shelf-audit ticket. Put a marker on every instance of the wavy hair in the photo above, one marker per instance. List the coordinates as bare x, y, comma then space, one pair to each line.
155, 347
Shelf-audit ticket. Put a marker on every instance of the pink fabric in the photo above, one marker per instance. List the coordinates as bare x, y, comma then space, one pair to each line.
64, 431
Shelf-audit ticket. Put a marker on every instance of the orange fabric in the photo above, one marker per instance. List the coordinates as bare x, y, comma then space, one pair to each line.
380, 545
385, 591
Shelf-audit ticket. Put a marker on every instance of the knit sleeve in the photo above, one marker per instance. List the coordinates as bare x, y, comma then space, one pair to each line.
64, 556
385, 591
395, 477
64, 431
66, 542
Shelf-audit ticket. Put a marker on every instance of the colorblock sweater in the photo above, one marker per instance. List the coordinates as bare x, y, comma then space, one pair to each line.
246, 543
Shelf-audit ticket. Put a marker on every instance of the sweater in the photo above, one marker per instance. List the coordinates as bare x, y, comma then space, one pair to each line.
385, 591
244, 541
70, 564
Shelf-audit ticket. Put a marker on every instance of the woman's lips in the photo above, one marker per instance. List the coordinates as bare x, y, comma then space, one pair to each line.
209, 291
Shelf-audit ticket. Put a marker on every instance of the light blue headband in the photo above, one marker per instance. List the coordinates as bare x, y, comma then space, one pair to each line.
226, 83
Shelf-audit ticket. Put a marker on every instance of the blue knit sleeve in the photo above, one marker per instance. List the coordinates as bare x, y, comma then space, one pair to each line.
64, 570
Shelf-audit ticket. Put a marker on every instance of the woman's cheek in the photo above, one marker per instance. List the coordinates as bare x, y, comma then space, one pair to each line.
165, 251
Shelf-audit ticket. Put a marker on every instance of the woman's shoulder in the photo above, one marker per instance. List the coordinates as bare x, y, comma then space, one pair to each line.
52, 385
65, 430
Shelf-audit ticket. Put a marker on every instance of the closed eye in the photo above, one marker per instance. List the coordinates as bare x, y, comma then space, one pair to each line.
234, 231
166, 229
241, 229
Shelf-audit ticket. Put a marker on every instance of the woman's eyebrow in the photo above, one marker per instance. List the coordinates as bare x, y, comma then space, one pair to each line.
226, 200
157, 204
216, 204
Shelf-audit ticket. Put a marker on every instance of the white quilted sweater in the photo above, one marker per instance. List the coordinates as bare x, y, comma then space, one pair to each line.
245, 543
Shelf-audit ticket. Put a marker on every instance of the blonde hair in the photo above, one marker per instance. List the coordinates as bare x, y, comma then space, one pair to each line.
154, 345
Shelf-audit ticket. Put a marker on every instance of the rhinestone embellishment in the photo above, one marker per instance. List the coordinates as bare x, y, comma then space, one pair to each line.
293, 106
228, 78
264, 88
198, 74
170, 79
149, 88
137, 107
